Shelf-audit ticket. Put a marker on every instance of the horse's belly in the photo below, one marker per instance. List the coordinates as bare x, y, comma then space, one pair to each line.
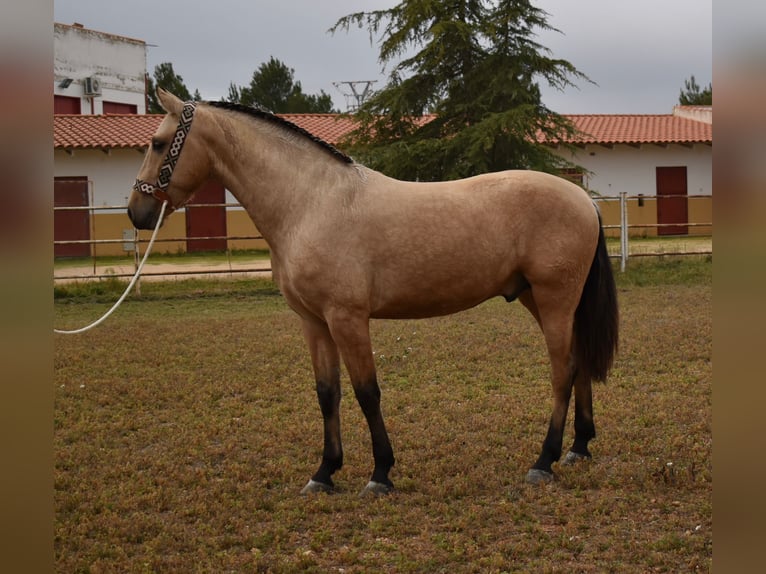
418, 309
419, 299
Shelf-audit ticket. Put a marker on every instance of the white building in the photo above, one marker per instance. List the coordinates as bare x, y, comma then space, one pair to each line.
663, 162
97, 73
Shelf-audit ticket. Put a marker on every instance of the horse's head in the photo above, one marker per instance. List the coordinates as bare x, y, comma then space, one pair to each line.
174, 165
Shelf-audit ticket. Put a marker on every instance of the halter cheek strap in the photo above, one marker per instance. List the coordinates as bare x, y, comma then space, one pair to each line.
159, 189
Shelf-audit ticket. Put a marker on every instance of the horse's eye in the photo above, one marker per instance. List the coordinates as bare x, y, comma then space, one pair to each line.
157, 145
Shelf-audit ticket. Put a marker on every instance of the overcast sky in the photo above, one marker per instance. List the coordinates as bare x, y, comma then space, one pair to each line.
638, 52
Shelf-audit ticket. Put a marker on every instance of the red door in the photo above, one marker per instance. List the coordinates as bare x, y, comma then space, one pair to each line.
71, 225
672, 206
204, 220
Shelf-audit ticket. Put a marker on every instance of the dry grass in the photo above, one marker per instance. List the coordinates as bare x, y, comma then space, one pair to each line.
186, 425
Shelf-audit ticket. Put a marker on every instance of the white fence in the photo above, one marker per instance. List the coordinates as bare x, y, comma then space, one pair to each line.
624, 227
133, 244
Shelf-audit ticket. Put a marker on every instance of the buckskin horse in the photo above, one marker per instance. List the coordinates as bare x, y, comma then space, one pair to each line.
349, 244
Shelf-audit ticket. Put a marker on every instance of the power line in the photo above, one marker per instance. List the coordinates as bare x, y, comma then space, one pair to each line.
356, 92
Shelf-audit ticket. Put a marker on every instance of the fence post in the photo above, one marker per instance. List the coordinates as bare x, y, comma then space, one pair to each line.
623, 231
136, 260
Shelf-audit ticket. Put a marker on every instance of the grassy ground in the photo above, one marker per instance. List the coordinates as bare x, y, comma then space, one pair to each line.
186, 425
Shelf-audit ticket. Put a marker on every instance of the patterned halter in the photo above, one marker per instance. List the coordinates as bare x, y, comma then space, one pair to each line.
159, 190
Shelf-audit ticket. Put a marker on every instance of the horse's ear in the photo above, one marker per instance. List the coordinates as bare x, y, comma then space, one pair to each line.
169, 102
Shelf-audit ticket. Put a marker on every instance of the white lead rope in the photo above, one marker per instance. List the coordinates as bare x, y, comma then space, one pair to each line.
130, 285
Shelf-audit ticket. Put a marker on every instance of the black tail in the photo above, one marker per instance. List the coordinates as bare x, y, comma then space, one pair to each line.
597, 321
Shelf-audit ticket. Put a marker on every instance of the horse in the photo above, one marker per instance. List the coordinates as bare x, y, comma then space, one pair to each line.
349, 244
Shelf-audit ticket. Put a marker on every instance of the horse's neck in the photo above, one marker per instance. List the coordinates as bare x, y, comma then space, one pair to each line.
276, 180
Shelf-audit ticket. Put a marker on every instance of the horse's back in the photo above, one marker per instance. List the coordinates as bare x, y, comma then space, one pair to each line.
437, 248
515, 194
501, 214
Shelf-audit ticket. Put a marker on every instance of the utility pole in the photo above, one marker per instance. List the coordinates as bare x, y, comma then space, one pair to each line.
355, 92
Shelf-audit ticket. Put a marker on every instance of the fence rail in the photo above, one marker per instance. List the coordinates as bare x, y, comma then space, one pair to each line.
624, 226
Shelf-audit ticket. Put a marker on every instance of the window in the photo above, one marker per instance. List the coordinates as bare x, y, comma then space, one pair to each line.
66, 105
120, 108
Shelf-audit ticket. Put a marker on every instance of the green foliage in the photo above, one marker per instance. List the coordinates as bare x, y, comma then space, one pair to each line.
273, 87
166, 78
475, 65
107, 291
667, 270
97, 291
693, 95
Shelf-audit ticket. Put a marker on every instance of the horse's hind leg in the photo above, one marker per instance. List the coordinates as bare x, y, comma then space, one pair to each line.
352, 334
585, 430
553, 313
326, 362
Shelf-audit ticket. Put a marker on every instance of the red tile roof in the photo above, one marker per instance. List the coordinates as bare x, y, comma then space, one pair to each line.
135, 131
330, 127
638, 129
103, 132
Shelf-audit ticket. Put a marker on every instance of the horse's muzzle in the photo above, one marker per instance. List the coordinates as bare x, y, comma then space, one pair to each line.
144, 211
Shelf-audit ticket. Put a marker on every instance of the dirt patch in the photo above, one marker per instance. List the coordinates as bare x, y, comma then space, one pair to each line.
165, 271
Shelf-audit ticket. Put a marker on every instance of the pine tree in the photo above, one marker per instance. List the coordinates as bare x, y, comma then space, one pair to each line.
694, 96
166, 78
273, 87
474, 65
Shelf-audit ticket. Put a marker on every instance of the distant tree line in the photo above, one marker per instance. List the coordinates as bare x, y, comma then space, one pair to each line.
272, 86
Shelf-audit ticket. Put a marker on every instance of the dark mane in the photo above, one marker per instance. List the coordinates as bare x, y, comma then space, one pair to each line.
273, 118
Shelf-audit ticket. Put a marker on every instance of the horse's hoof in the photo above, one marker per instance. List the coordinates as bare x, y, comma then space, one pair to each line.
537, 476
376, 489
574, 457
314, 487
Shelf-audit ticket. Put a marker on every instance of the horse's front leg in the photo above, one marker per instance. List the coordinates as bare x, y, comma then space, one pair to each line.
352, 335
326, 362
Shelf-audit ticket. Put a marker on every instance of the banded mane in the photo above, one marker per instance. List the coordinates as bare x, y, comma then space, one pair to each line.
263, 114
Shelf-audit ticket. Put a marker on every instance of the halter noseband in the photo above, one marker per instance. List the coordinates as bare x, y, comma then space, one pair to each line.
159, 190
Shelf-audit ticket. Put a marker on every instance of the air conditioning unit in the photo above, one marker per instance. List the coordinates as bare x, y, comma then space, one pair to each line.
92, 86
